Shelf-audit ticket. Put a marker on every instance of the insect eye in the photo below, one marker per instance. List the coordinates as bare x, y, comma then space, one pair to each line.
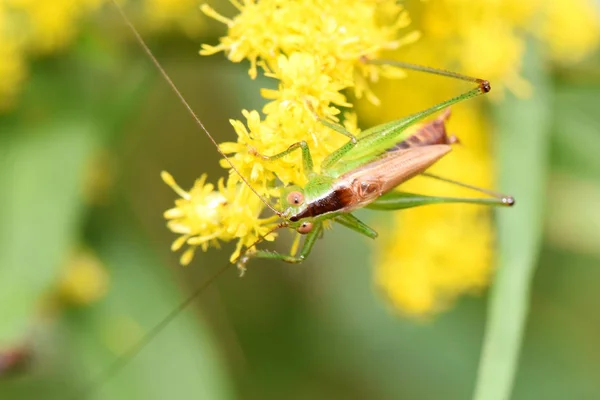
295, 198
305, 228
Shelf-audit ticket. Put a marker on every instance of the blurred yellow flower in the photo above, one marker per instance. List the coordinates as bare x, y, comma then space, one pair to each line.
84, 280
570, 28
313, 49
49, 25
487, 38
182, 14
34, 27
12, 72
30, 28
436, 253
433, 254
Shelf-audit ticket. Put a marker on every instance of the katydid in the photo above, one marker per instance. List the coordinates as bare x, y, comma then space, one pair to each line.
362, 173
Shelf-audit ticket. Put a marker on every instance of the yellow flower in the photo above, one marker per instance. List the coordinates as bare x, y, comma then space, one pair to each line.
435, 253
487, 38
183, 14
85, 279
12, 72
203, 216
30, 28
52, 24
571, 28
315, 50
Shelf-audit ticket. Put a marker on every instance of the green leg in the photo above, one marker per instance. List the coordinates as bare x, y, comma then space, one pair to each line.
309, 242
339, 153
430, 70
466, 185
483, 86
307, 161
351, 222
402, 200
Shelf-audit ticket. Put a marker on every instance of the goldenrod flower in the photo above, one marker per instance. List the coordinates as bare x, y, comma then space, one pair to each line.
12, 71
203, 216
84, 280
49, 25
570, 28
34, 27
182, 14
30, 28
433, 254
314, 49
487, 38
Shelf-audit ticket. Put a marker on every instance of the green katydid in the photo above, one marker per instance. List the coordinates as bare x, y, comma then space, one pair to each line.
364, 171
360, 174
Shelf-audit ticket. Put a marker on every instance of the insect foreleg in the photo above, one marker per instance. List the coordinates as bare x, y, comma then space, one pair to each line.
307, 161
402, 200
309, 242
351, 222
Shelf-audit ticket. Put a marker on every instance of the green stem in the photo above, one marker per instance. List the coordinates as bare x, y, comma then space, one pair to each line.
522, 144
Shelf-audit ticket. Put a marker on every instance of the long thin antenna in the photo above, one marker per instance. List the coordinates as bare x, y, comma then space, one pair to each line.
184, 101
128, 355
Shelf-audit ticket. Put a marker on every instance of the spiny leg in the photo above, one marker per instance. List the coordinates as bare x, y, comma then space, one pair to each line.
309, 242
307, 161
483, 86
339, 153
429, 70
509, 200
351, 222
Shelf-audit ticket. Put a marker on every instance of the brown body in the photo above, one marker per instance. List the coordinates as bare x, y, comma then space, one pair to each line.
364, 185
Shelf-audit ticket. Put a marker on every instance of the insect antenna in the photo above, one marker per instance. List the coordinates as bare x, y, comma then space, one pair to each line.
166, 76
504, 199
121, 361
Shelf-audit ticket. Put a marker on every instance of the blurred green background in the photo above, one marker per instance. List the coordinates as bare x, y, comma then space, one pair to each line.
81, 152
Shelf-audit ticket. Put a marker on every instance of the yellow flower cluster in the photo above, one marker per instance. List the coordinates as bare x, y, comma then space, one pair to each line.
313, 48
488, 37
31, 28
84, 280
433, 254
159, 15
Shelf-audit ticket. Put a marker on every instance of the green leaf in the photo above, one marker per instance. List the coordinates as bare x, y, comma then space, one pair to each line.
41, 175
523, 127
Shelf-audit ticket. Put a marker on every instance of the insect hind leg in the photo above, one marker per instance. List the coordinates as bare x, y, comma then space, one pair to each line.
505, 199
339, 153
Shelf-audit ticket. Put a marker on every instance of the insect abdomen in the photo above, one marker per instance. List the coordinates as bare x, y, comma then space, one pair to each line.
433, 132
